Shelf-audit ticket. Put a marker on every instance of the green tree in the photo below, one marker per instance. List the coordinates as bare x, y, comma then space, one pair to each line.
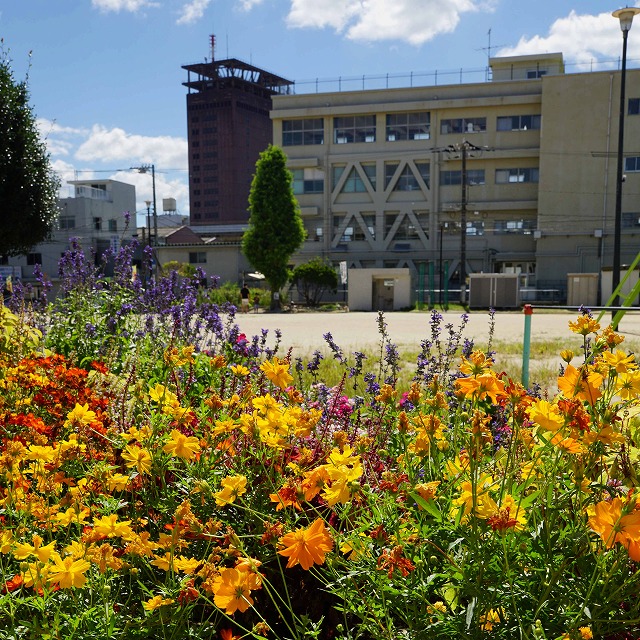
275, 227
313, 279
28, 186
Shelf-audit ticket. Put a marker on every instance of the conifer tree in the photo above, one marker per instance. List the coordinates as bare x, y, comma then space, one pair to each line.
28, 186
275, 229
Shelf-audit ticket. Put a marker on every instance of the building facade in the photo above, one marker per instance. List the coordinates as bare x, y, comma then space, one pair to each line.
228, 105
515, 175
94, 216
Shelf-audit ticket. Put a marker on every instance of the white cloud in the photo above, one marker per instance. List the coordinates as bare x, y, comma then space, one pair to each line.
249, 4
193, 11
414, 21
581, 38
110, 145
122, 5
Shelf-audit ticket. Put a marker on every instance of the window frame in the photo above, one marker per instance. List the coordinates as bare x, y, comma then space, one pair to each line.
310, 132
419, 129
354, 129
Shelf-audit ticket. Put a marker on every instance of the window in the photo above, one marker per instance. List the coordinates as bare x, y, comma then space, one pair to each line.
408, 126
197, 257
518, 123
504, 176
536, 73
354, 182
525, 227
67, 222
463, 125
407, 180
33, 259
347, 233
634, 107
632, 164
348, 129
474, 177
475, 228
369, 220
630, 220
300, 132
113, 225
307, 181
389, 172
407, 229
97, 224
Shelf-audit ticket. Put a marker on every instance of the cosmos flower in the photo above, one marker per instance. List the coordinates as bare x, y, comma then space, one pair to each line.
306, 547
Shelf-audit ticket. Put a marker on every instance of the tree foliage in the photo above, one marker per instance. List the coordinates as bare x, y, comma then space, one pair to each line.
28, 186
313, 279
275, 229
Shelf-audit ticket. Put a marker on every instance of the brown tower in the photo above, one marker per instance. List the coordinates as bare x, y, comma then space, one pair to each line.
228, 122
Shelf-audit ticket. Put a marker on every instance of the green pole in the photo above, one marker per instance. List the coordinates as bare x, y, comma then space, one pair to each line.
446, 284
421, 286
526, 345
432, 285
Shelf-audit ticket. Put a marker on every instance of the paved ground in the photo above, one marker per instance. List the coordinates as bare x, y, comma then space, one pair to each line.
356, 330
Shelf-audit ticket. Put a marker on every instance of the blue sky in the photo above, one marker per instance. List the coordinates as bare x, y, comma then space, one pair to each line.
106, 76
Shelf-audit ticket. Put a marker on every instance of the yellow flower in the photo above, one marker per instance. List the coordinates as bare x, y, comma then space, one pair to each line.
567, 355
68, 572
80, 415
240, 370
185, 447
586, 633
160, 394
278, 372
43, 553
306, 547
109, 527
186, 565
627, 385
584, 325
232, 487
490, 619
619, 361
546, 415
156, 602
72, 515
138, 458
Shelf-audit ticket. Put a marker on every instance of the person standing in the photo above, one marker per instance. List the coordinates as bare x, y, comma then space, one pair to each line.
244, 297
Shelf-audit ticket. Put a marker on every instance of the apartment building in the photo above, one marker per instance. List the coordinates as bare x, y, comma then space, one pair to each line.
514, 175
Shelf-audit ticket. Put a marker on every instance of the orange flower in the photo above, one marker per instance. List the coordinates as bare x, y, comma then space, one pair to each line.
306, 547
610, 522
577, 383
584, 325
232, 589
278, 372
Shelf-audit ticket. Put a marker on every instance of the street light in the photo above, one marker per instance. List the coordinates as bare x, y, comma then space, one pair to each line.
145, 168
626, 18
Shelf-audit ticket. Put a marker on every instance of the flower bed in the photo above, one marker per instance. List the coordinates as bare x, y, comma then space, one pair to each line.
178, 485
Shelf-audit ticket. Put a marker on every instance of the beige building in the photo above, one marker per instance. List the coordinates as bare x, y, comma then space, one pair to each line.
526, 163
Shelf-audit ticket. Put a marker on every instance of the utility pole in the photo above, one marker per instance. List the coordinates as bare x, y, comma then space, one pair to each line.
145, 169
463, 148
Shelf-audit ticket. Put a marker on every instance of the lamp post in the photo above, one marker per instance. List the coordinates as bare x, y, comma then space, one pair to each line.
625, 16
145, 168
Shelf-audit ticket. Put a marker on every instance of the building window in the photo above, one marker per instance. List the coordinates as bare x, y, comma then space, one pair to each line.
525, 227
113, 225
463, 125
632, 164
33, 259
408, 126
504, 176
348, 129
347, 233
97, 224
197, 257
67, 222
369, 220
407, 180
307, 181
536, 73
518, 123
475, 228
474, 177
300, 132
634, 107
